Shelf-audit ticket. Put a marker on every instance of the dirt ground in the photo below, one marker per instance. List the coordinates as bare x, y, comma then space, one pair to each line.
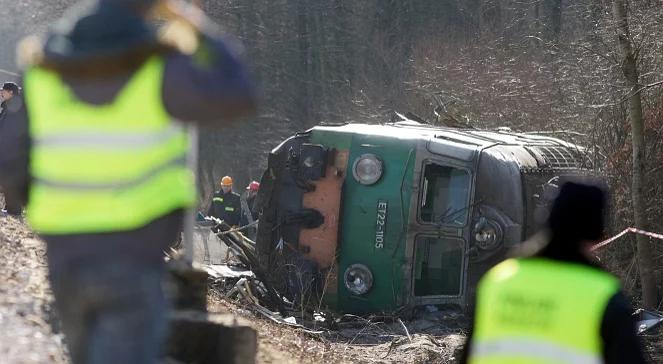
361, 341
26, 335
25, 300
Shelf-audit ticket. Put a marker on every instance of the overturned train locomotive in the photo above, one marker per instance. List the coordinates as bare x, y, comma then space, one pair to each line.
382, 218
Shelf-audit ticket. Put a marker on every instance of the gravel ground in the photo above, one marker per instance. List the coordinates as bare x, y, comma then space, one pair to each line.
25, 310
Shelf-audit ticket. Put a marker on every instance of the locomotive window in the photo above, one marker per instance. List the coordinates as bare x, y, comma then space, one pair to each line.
444, 195
438, 266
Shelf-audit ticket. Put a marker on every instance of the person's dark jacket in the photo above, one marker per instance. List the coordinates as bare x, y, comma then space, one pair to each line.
14, 154
253, 210
250, 201
227, 207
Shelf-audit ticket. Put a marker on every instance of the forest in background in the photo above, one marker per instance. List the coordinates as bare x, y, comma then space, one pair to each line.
548, 66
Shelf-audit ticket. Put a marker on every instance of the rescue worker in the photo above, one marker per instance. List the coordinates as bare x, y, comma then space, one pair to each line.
226, 204
12, 117
108, 179
558, 305
250, 210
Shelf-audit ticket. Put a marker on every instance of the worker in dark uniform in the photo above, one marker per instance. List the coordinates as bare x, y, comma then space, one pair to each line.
250, 210
12, 117
108, 181
226, 204
557, 305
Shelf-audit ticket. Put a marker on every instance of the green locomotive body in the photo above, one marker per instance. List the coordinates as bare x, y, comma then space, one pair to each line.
381, 218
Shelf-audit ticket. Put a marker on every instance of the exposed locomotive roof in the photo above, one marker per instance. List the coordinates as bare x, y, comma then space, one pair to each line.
479, 138
528, 150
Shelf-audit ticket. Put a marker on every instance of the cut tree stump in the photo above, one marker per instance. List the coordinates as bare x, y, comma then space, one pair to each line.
209, 338
187, 286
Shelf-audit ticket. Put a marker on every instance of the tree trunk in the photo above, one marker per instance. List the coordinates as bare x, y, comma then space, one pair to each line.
555, 18
630, 70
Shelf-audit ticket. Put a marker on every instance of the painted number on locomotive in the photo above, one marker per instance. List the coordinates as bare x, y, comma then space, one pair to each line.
381, 224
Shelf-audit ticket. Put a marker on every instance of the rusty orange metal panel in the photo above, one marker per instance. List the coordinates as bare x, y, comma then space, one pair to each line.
320, 243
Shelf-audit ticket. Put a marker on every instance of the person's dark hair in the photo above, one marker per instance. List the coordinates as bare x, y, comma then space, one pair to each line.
578, 212
139, 5
11, 86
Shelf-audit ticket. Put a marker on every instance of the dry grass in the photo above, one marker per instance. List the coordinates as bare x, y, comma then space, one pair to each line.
357, 340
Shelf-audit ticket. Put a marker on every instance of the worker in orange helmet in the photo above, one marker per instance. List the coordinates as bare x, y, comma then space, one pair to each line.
226, 204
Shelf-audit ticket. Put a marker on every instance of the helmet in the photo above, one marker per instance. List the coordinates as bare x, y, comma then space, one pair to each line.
226, 181
253, 186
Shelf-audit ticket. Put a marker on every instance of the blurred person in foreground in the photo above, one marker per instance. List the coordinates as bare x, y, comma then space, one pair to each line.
12, 117
556, 305
108, 178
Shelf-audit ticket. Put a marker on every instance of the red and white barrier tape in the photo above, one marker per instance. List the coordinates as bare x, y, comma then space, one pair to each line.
627, 230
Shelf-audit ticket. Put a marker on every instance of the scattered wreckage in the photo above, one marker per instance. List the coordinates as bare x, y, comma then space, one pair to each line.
391, 219
242, 279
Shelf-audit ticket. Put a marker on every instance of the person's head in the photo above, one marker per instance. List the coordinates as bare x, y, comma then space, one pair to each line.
100, 38
252, 188
9, 90
576, 216
226, 184
140, 6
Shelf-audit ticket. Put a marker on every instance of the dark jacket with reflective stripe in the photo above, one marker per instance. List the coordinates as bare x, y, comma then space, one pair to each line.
227, 207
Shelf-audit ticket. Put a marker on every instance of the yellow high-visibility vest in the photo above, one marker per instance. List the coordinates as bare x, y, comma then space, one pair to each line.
538, 310
107, 168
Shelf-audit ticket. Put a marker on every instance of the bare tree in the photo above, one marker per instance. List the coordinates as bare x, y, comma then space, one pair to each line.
631, 74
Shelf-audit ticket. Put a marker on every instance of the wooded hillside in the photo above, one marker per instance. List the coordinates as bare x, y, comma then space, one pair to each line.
533, 65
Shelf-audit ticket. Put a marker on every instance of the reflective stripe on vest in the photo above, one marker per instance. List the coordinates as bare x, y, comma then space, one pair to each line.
217, 199
531, 351
92, 139
104, 168
231, 209
540, 311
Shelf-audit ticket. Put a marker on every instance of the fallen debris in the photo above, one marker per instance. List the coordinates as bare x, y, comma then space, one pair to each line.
647, 320
434, 336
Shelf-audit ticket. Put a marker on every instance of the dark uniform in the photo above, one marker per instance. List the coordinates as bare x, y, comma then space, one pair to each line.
12, 118
227, 207
252, 210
